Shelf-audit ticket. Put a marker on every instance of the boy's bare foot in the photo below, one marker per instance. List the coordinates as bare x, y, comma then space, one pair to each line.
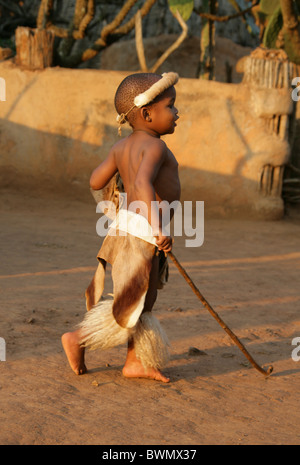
74, 352
136, 370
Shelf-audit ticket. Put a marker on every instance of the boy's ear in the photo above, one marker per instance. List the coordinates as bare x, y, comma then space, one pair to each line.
146, 115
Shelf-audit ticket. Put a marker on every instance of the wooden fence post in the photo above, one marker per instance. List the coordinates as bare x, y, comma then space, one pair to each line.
266, 68
34, 47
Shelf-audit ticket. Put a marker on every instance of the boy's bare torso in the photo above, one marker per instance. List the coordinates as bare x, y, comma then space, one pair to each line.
129, 154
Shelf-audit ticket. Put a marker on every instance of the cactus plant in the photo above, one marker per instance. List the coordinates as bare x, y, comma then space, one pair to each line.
275, 34
290, 32
274, 26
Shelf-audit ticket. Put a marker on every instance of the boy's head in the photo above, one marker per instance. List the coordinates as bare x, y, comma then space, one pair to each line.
139, 90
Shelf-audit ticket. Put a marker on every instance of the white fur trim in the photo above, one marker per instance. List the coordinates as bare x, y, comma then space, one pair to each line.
167, 80
141, 99
99, 329
151, 342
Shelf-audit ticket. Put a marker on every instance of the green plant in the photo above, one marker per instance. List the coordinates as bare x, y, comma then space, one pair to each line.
275, 30
185, 8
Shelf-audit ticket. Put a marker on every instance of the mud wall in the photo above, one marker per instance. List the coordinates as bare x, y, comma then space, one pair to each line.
57, 125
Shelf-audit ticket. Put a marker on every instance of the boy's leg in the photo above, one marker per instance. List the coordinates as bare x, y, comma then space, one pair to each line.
133, 368
151, 295
74, 352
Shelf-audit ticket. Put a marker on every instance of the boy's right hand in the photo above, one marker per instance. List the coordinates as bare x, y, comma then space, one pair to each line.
164, 243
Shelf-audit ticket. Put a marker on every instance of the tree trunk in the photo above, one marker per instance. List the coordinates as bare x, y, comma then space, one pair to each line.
291, 30
206, 69
212, 40
34, 47
289, 15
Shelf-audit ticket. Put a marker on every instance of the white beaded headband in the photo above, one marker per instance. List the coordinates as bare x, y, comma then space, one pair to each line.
167, 80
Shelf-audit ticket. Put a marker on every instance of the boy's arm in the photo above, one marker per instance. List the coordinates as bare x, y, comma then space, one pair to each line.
152, 160
104, 172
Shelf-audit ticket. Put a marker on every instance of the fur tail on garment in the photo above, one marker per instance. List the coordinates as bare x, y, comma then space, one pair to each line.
151, 342
99, 329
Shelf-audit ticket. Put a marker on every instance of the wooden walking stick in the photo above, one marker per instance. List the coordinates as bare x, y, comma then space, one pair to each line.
219, 320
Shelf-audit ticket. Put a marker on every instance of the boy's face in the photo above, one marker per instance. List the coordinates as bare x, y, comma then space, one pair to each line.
164, 114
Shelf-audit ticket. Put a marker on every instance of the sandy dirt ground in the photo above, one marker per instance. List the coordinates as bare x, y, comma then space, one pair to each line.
248, 271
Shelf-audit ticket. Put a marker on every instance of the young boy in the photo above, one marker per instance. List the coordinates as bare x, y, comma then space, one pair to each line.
149, 172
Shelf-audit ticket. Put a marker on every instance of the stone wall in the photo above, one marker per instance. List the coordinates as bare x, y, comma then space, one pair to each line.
57, 125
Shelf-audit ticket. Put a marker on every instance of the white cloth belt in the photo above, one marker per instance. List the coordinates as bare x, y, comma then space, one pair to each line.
134, 224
